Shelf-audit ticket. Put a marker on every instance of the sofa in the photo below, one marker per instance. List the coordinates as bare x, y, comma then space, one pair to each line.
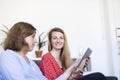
112, 78
107, 77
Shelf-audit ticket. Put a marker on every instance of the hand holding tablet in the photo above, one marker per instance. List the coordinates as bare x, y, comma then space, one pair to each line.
86, 55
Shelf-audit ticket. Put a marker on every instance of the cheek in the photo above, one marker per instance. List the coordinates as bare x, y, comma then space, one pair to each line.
53, 41
62, 42
28, 41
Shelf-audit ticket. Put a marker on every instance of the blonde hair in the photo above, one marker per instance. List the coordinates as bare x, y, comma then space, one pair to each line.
65, 53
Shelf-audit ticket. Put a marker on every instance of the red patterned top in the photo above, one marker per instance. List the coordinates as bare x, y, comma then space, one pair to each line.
50, 67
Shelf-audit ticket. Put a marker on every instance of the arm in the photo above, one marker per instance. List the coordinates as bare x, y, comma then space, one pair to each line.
78, 73
11, 68
47, 68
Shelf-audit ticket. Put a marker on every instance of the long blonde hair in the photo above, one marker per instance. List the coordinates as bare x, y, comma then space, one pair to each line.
65, 53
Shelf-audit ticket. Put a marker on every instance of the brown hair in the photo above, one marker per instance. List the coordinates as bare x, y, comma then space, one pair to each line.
65, 53
15, 38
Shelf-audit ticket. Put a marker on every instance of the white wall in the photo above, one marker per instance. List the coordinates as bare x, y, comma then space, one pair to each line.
82, 20
113, 8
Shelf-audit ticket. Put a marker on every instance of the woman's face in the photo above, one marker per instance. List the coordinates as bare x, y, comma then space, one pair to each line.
31, 40
57, 40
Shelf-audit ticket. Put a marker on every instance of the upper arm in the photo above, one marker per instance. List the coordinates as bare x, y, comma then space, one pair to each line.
47, 68
12, 69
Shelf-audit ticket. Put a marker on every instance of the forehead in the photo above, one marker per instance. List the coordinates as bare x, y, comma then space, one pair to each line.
56, 33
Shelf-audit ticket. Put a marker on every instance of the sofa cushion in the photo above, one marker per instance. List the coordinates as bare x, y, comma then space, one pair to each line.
111, 78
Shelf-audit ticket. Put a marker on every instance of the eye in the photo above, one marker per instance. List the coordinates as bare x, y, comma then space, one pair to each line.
33, 35
54, 37
61, 37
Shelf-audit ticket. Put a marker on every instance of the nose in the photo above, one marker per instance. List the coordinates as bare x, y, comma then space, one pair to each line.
58, 40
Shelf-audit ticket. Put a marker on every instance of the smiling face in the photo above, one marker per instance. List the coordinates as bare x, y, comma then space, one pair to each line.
31, 40
57, 40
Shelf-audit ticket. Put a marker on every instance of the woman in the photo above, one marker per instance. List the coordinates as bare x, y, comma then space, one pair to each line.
58, 59
14, 64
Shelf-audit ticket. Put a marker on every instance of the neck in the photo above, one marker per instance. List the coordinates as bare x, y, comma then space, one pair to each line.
23, 54
56, 53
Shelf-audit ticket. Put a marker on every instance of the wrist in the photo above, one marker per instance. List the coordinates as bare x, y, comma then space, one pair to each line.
78, 72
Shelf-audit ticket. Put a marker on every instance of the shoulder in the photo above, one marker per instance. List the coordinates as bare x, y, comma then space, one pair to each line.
10, 58
8, 55
46, 55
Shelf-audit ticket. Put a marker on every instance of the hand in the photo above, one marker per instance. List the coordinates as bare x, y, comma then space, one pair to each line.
87, 61
70, 70
74, 75
83, 64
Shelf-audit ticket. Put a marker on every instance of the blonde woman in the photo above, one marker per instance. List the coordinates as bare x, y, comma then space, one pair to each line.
57, 60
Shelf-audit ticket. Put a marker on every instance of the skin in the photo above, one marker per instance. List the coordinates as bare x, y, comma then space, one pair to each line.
57, 42
30, 40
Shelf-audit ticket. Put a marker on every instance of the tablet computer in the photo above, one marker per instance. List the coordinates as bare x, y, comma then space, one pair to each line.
86, 55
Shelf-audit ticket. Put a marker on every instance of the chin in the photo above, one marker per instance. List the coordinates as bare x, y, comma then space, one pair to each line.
30, 49
59, 48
